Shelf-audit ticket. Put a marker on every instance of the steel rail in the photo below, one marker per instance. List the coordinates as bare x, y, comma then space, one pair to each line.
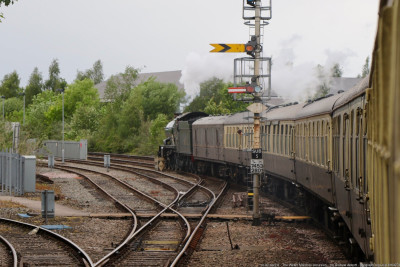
124, 206
106, 258
190, 235
179, 197
85, 257
99, 159
179, 256
12, 249
121, 155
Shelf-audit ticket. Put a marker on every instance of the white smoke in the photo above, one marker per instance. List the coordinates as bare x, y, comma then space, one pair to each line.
199, 68
298, 81
292, 79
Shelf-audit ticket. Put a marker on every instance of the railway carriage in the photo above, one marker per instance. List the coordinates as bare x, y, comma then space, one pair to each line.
349, 169
208, 146
277, 141
313, 139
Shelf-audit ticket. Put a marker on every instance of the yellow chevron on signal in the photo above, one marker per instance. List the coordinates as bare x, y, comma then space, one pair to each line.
228, 48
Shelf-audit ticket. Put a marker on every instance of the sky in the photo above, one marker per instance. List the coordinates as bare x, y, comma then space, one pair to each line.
162, 35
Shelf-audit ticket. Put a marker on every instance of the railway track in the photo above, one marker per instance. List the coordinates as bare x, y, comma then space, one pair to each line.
160, 240
144, 161
38, 246
164, 240
8, 254
126, 253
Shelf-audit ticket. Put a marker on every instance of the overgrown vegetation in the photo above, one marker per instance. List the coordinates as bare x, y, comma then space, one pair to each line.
214, 99
130, 120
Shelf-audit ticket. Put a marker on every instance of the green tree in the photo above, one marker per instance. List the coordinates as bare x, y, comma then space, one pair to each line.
84, 122
95, 73
213, 108
151, 136
208, 89
13, 109
10, 85
365, 69
6, 3
34, 87
324, 82
80, 93
55, 82
215, 99
337, 70
81, 101
159, 98
119, 86
39, 123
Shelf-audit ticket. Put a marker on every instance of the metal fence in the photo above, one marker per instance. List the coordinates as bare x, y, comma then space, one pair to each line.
18, 173
73, 150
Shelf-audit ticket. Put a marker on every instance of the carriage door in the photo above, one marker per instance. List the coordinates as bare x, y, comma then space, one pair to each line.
346, 164
218, 144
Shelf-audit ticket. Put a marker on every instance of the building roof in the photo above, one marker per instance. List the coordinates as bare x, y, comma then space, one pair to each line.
164, 77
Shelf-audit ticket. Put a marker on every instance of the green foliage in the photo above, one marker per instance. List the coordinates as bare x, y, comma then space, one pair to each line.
55, 82
13, 108
119, 86
84, 122
324, 81
365, 69
5, 136
337, 70
159, 98
6, 3
135, 121
10, 85
38, 121
132, 122
34, 87
95, 74
214, 99
208, 90
81, 101
214, 109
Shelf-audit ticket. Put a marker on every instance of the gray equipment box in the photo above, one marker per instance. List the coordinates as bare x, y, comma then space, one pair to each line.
72, 150
48, 204
29, 173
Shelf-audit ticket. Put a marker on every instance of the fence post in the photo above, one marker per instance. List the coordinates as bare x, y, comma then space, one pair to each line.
10, 172
2, 170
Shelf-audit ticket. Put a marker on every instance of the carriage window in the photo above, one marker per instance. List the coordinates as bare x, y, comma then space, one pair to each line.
345, 145
318, 138
351, 149
322, 133
337, 130
287, 139
310, 130
290, 147
326, 145
282, 139
304, 141
273, 138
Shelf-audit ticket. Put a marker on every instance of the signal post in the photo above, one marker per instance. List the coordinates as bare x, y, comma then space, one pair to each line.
253, 10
